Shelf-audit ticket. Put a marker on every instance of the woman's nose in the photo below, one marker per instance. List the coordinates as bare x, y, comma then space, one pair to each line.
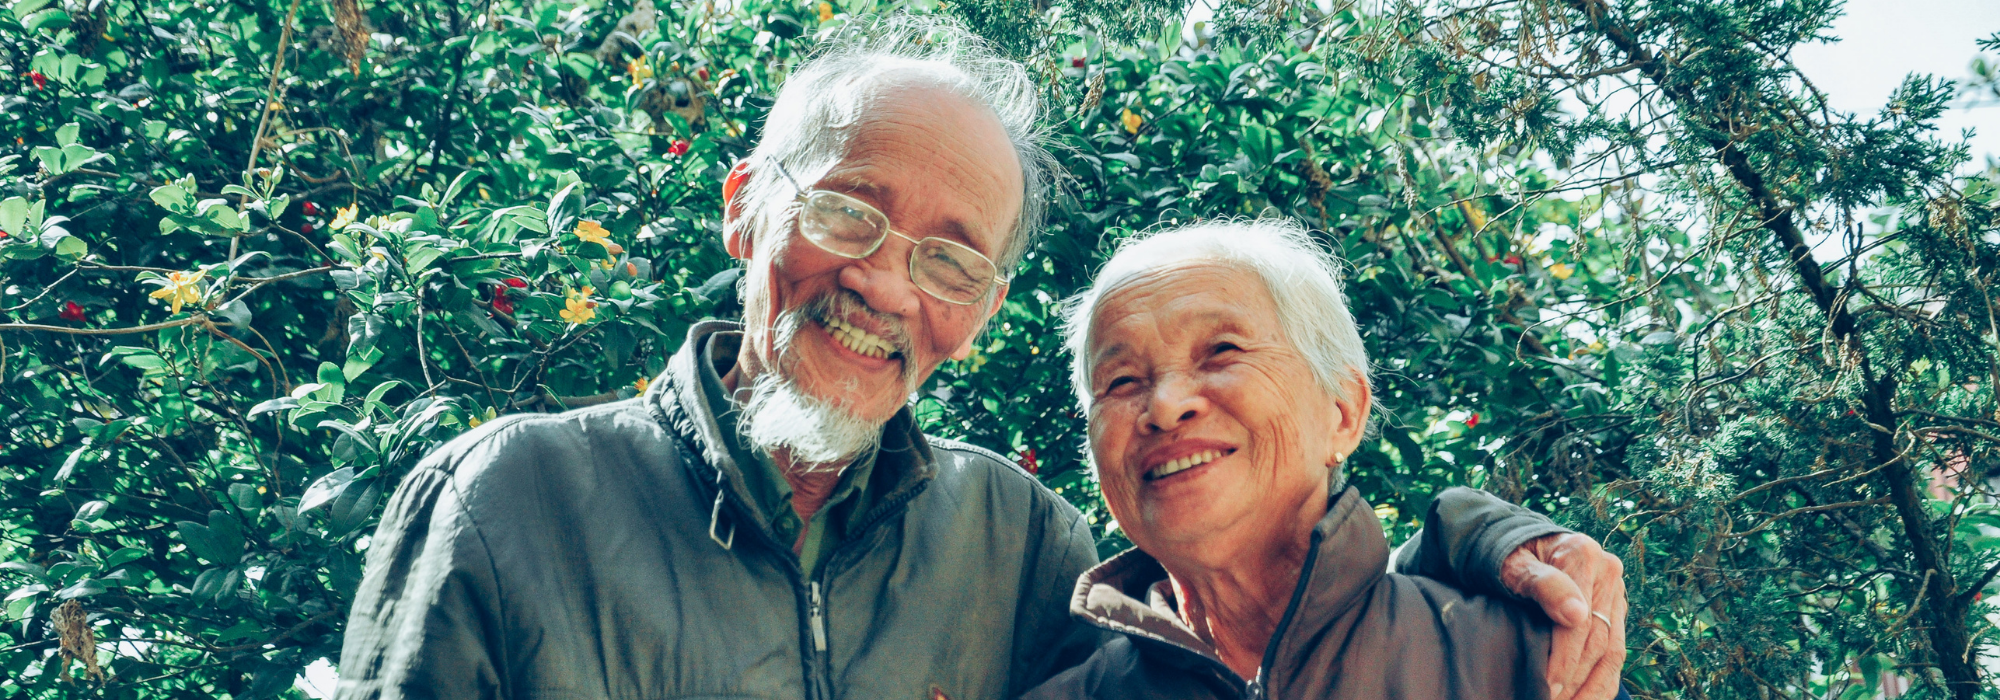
1176, 400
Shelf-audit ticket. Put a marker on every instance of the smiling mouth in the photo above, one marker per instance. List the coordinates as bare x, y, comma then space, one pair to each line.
1185, 463
861, 342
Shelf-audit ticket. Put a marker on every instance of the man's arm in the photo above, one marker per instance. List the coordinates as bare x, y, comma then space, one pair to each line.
1477, 543
1047, 639
422, 623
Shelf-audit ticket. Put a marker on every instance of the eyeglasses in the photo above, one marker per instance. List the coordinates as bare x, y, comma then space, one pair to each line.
852, 229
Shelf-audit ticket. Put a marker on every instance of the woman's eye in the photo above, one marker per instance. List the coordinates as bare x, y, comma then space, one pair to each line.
1119, 382
1225, 347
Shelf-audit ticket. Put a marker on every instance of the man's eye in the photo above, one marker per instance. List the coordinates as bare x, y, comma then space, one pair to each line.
1119, 382
1225, 347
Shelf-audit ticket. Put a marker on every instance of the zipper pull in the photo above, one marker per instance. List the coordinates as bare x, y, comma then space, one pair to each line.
818, 615
1256, 689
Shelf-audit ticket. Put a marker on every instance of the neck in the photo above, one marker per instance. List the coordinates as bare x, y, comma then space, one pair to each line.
1235, 599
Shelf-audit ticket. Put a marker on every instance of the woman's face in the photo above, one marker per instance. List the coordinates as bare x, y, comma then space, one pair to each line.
1212, 437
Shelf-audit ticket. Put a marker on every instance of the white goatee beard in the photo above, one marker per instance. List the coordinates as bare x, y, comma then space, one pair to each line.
780, 415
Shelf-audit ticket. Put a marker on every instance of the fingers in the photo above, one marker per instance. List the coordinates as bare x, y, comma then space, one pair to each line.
1566, 668
1571, 576
1556, 590
1602, 683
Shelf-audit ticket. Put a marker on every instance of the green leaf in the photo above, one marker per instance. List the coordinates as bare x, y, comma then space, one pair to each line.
24, 8
202, 542
170, 197
71, 247
124, 556
325, 489
66, 135
14, 215
358, 363
246, 497
282, 403
47, 19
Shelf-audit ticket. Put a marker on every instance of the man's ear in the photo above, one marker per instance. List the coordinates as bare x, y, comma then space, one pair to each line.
965, 349
735, 239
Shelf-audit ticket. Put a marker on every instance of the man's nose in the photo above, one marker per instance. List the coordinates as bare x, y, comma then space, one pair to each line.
883, 279
1176, 400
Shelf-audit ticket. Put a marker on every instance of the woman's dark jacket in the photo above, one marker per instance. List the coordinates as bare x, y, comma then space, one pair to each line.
1352, 630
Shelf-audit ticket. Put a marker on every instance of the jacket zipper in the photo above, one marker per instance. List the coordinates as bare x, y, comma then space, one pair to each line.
1254, 690
818, 615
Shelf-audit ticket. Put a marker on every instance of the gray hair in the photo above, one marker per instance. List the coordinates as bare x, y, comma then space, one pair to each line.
807, 129
1302, 275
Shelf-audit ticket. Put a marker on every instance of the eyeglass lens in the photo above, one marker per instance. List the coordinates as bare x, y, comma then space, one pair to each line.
849, 228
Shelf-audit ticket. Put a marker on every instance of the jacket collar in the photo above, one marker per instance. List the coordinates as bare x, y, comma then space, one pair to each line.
903, 465
1129, 593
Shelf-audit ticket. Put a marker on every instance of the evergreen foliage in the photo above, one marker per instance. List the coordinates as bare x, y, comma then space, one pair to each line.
260, 256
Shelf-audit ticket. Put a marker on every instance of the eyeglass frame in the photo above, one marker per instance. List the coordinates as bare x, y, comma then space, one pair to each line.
998, 280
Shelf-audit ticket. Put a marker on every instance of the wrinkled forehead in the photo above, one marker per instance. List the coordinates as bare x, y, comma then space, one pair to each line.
1173, 296
920, 139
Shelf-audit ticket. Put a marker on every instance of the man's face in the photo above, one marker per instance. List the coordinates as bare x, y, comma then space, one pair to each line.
936, 165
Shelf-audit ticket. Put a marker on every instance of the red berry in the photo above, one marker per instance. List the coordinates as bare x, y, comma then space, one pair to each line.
312, 209
305, 228
516, 283
679, 148
1513, 260
1472, 422
501, 303
1077, 62
1028, 462
71, 312
41, 81
701, 73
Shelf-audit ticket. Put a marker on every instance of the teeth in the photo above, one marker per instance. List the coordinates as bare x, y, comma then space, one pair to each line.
859, 340
1183, 464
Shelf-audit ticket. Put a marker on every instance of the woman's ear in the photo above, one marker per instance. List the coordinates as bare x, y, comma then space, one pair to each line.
735, 238
1353, 421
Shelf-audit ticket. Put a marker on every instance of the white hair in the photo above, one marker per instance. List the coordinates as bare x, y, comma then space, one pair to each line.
1302, 276
809, 125
782, 416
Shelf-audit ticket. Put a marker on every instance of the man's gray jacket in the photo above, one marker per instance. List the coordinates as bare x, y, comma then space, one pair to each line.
611, 552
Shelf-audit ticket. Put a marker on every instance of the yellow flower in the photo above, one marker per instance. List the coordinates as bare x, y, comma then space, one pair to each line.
593, 232
638, 70
475, 419
642, 384
344, 216
1561, 271
1132, 122
578, 310
181, 288
825, 11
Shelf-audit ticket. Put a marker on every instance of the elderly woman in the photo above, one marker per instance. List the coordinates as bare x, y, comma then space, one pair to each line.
1225, 384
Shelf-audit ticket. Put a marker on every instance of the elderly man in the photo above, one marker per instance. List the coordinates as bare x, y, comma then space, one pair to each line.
1225, 386
767, 521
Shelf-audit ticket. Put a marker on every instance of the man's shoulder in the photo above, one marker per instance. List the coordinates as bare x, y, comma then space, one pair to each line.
964, 466
528, 447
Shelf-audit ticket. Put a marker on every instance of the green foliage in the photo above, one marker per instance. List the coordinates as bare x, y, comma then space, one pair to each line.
1796, 458
243, 295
